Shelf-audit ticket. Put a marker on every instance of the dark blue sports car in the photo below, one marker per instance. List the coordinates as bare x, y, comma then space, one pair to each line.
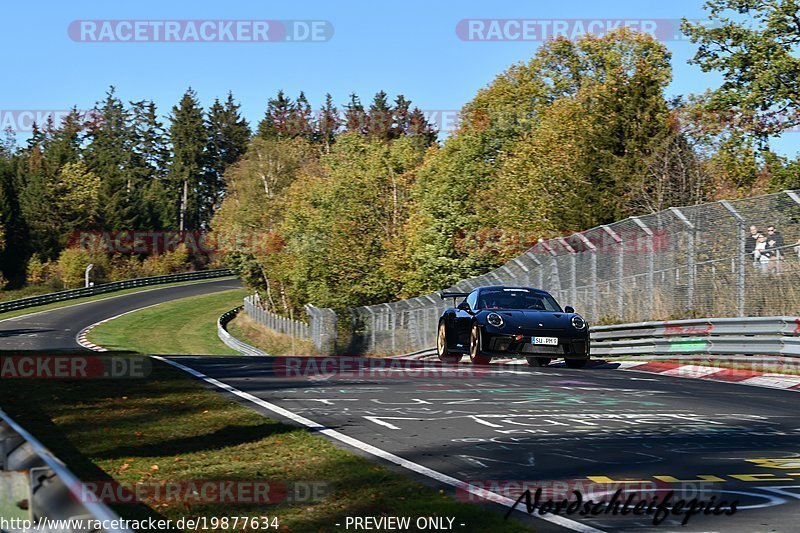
511, 322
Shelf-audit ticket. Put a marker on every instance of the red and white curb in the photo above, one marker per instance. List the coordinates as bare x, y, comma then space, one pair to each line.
84, 342
714, 373
753, 378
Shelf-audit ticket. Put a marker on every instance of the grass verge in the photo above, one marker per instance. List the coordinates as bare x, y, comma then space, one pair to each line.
183, 326
248, 330
67, 303
170, 428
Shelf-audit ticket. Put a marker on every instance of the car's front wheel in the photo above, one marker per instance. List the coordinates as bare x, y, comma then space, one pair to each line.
538, 361
576, 363
444, 354
475, 346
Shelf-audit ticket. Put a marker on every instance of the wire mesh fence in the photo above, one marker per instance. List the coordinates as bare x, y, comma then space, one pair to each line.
280, 324
678, 263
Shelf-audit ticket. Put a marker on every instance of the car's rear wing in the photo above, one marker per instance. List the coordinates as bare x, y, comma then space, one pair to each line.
454, 295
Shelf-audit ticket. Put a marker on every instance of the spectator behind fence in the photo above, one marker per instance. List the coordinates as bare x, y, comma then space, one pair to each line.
774, 237
775, 246
797, 248
761, 254
750, 241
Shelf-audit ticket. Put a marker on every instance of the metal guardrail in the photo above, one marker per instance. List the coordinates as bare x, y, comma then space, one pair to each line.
32, 301
230, 340
769, 336
53, 492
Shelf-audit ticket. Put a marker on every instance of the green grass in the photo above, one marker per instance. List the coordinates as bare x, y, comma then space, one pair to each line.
182, 326
170, 428
67, 303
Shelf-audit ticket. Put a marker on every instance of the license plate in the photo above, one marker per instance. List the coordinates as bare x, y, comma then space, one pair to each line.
552, 341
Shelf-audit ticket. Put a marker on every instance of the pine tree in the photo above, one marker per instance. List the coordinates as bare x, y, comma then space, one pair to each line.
151, 156
228, 138
301, 121
275, 123
355, 118
328, 123
188, 137
418, 126
108, 155
379, 122
400, 116
16, 246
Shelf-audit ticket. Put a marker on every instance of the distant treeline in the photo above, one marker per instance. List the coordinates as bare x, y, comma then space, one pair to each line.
120, 167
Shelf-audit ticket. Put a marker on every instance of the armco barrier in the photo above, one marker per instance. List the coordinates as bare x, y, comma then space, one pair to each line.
60, 296
770, 336
231, 341
52, 491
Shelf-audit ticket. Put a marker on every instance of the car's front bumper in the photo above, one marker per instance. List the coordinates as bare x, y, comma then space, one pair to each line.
505, 345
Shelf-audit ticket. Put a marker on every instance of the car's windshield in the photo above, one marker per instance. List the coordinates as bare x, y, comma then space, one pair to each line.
517, 299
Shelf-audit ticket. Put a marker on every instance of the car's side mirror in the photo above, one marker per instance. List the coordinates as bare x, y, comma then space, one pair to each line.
569, 309
463, 306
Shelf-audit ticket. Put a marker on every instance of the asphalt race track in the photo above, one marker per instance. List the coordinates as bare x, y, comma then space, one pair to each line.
506, 428
589, 427
55, 330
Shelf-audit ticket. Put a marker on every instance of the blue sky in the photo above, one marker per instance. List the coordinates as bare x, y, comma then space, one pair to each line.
408, 47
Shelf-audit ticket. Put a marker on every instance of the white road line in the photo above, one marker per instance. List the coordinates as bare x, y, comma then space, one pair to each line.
377, 452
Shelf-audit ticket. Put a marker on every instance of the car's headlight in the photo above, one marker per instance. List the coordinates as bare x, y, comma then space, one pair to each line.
494, 319
578, 322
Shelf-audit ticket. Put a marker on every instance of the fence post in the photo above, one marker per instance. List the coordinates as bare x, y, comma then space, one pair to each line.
690, 255
741, 259
537, 267
555, 282
372, 327
620, 266
573, 275
391, 323
592, 271
431, 327
650, 267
